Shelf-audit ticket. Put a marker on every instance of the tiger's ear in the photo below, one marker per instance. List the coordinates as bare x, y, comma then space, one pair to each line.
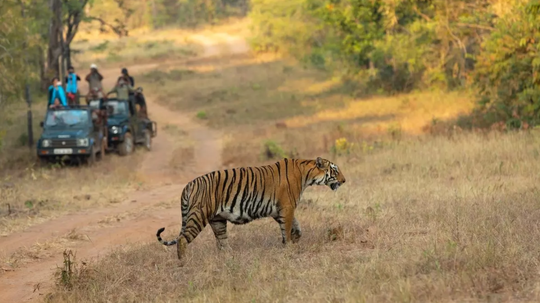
319, 163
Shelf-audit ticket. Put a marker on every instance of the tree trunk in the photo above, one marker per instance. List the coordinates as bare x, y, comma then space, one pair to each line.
63, 71
67, 54
63, 58
55, 46
42, 70
154, 14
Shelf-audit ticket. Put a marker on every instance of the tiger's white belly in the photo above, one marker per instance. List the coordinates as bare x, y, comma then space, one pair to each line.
236, 216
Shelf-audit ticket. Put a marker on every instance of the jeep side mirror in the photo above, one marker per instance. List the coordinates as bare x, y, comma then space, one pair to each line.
41, 123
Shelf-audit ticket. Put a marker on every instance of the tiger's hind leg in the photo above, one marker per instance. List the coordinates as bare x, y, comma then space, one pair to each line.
219, 226
195, 222
181, 247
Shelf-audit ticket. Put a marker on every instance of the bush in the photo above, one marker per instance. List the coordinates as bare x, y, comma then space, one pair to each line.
507, 71
272, 150
202, 115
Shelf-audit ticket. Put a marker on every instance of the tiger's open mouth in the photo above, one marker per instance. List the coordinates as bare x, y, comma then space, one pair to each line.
335, 186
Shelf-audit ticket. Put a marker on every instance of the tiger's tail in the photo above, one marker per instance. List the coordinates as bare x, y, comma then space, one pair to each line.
186, 194
167, 243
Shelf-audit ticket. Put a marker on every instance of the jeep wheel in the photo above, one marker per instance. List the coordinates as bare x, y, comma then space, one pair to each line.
126, 147
147, 140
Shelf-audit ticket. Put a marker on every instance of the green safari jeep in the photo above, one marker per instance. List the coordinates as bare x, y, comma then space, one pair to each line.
72, 133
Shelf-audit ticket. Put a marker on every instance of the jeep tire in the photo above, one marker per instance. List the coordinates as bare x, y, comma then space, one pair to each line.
126, 147
147, 139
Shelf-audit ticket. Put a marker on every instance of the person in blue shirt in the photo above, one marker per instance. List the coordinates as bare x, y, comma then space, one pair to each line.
72, 86
56, 91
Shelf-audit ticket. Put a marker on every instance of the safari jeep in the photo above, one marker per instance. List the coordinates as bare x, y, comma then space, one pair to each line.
125, 127
71, 132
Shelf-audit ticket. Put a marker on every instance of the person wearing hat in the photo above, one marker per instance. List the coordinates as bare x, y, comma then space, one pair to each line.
94, 78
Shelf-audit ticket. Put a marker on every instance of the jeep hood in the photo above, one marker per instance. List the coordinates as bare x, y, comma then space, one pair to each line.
64, 134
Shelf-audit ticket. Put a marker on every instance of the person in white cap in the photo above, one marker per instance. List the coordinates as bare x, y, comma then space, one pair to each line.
94, 78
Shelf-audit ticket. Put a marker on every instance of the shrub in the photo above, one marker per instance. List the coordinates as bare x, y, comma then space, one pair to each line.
342, 147
202, 115
272, 150
507, 71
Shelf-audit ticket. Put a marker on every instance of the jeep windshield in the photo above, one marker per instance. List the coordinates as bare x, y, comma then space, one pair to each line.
118, 108
72, 119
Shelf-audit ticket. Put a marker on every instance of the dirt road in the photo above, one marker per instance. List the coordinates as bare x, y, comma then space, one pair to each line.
31, 281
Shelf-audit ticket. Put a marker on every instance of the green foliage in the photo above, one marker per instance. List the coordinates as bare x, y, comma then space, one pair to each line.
273, 150
29, 204
202, 115
283, 26
389, 45
507, 72
19, 40
393, 46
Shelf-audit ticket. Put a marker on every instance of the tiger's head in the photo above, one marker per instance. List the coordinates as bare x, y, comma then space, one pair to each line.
329, 174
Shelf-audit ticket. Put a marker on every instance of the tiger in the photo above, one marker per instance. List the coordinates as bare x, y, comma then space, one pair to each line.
241, 195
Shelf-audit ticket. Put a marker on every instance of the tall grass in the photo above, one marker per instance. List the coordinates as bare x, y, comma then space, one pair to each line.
430, 220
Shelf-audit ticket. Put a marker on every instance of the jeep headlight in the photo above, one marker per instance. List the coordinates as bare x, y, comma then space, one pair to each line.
115, 129
82, 142
46, 143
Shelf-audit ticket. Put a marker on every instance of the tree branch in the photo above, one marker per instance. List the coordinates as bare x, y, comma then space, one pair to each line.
119, 30
489, 28
426, 17
72, 28
23, 8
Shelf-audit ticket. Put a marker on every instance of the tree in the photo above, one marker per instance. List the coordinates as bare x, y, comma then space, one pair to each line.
65, 20
508, 69
20, 40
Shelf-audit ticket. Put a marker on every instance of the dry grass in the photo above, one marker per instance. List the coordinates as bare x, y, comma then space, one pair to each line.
143, 48
41, 250
255, 99
429, 220
39, 194
243, 90
144, 45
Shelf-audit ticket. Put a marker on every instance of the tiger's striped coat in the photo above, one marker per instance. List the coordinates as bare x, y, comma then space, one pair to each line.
241, 195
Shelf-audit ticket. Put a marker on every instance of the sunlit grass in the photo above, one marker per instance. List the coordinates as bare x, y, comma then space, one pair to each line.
411, 111
431, 220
